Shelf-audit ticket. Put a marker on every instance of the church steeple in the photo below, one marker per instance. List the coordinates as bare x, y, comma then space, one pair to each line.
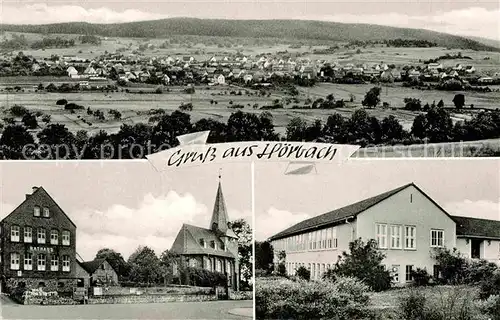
219, 215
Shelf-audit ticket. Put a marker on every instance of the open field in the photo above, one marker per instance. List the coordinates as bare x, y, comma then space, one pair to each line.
134, 106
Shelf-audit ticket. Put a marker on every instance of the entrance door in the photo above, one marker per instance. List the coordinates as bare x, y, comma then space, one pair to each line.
80, 283
475, 248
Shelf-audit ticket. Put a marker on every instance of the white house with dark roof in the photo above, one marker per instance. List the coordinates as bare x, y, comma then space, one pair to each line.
406, 223
214, 248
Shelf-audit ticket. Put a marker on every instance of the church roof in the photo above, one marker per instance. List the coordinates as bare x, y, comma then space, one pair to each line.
188, 242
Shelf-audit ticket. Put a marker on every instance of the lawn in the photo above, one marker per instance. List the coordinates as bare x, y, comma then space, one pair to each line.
386, 303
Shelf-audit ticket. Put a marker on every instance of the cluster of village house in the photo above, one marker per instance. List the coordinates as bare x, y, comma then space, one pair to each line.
38, 248
218, 70
407, 225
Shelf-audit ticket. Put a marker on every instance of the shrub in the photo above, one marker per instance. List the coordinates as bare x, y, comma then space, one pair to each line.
186, 107
18, 111
29, 120
477, 271
284, 299
364, 261
491, 307
73, 106
62, 102
451, 265
303, 273
412, 305
189, 90
490, 286
204, 278
420, 277
282, 269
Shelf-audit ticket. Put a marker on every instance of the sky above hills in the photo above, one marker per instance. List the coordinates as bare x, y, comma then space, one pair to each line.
469, 18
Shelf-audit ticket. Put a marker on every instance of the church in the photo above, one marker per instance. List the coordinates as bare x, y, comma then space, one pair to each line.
214, 248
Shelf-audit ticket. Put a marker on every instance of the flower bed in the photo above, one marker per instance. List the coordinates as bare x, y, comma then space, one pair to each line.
240, 295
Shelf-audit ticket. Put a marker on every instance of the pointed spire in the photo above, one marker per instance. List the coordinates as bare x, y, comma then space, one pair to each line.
219, 215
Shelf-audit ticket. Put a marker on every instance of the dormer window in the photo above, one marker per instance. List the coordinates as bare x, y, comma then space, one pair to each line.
36, 211
223, 247
212, 244
46, 212
203, 243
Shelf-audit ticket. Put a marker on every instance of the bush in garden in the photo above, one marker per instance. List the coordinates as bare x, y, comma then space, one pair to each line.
347, 298
477, 271
412, 305
204, 278
491, 307
490, 286
303, 273
364, 261
452, 265
282, 269
420, 277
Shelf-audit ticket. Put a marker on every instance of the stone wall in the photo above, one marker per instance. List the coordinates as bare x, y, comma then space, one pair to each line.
112, 290
59, 285
150, 298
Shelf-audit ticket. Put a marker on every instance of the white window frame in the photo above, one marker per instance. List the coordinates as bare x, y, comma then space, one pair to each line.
36, 211
54, 240
409, 237
41, 264
41, 236
46, 212
28, 261
66, 238
66, 264
15, 231
437, 231
396, 238
380, 236
15, 261
28, 234
54, 263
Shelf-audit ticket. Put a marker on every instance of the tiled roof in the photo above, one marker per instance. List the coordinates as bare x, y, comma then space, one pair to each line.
339, 214
92, 266
475, 227
188, 242
48, 196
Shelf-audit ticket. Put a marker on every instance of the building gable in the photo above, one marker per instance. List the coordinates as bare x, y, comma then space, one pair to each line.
24, 213
339, 216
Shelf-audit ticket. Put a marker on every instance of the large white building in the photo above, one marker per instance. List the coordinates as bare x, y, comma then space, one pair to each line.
407, 225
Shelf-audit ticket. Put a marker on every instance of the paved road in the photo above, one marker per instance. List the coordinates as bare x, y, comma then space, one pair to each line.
149, 311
